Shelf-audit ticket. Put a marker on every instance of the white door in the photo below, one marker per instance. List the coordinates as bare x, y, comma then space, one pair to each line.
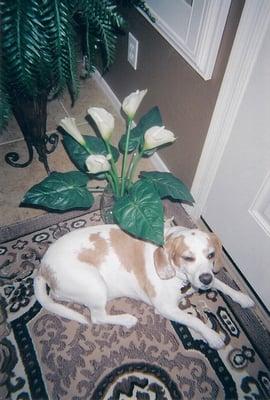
238, 202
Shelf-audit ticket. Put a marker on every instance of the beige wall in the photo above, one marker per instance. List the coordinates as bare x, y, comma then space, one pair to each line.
185, 100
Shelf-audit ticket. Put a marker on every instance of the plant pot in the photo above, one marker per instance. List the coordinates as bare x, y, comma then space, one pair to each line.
107, 202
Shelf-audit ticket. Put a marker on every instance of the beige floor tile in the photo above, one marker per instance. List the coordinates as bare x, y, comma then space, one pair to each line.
11, 132
55, 112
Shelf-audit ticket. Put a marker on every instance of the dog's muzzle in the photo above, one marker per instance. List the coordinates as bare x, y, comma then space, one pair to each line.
206, 279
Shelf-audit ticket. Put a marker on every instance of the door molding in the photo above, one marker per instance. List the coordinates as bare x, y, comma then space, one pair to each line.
249, 36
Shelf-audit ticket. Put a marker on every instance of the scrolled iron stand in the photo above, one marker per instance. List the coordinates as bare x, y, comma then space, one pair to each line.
31, 116
40, 145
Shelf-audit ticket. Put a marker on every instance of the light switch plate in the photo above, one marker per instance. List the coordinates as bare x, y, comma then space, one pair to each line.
133, 46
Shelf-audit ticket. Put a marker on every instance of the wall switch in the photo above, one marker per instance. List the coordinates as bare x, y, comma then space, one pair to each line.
133, 46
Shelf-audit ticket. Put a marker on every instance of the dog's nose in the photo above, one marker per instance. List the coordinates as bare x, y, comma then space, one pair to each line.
206, 278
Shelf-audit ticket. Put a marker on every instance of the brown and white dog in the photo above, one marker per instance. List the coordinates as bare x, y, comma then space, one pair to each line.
93, 265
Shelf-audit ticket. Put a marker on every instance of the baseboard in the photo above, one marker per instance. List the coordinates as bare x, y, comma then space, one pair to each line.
98, 78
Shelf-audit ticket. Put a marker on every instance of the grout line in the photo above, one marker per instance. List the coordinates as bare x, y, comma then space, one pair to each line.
64, 108
12, 141
22, 138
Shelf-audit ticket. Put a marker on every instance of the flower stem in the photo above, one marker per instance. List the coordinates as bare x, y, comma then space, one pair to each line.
134, 164
111, 182
124, 165
114, 172
134, 155
85, 146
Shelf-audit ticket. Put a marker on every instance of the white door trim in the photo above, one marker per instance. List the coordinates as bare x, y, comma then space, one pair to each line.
251, 31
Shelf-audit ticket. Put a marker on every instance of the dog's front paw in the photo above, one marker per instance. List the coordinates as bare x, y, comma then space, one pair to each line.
245, 301
214, 340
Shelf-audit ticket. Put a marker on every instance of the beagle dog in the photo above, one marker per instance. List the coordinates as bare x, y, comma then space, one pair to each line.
93, 265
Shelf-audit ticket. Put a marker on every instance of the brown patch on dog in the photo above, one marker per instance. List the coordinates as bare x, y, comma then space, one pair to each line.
169, 256
95, 255
49, 275
216, 243
176, 248
130, 252
163, 266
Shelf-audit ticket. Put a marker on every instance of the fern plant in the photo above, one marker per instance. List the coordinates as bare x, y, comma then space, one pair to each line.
39, 58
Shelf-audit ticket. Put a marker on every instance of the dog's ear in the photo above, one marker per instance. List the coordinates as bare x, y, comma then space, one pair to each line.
162, 263
218, 264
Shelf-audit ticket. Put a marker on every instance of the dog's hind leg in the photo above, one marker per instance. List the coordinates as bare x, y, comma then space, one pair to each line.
93, 294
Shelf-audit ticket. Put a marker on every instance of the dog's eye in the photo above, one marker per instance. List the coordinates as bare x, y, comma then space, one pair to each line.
211, 255
188, 258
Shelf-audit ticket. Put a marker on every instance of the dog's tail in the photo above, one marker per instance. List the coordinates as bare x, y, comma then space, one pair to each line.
46, 301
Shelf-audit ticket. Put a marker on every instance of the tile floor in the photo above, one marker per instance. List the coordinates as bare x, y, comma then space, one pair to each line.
14, 182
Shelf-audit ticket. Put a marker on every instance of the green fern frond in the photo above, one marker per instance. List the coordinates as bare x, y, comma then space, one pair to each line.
60, 37
103, 24
5, 109
13, 61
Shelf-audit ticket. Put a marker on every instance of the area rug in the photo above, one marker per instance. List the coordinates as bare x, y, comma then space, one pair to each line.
43, 356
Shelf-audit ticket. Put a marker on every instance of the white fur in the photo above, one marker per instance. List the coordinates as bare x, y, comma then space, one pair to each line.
93, 286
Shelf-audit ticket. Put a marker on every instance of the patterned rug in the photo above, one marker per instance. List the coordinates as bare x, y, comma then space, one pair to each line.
43, 356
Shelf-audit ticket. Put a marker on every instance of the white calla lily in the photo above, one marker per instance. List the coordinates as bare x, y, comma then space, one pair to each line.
69, 125
104, 121
97, 163
157, 136
131, 102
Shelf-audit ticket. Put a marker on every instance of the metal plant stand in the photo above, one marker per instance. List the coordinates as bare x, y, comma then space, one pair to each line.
31, 115
40, 145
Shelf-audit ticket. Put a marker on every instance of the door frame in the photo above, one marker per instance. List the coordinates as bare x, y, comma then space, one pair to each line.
249, 37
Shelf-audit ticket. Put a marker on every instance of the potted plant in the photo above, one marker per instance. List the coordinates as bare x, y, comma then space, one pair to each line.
39, 58
137, 206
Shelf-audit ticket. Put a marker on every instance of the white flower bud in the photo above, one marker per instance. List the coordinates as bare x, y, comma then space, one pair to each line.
157, 136
104, 121
69, 125
97, 163
131, 103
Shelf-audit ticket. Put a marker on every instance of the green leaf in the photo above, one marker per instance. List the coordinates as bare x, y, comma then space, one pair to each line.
140, 213
78, 154
5, 107
103, 23
168, 185
151, 118
61, 192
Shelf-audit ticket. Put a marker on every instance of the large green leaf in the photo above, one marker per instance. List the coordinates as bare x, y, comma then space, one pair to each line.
151, 118
78, 154
140, 213
61, 192
168, 185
